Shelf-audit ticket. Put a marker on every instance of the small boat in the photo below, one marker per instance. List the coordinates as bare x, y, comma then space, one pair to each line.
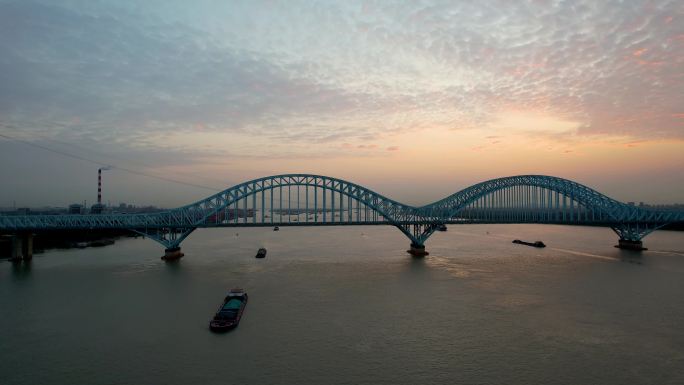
533, 244
442, 227
261, 253
276, 228
228, 315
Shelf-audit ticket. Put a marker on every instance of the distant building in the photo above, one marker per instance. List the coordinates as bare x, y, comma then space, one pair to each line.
97, 208
23, 211
75, 209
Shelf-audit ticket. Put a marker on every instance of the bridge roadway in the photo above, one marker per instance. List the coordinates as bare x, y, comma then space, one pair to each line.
316, 200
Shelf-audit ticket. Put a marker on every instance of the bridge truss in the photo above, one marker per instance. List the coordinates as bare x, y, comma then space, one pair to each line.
315, 200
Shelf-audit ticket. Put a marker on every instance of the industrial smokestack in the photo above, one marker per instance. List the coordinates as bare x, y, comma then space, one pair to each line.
99, 184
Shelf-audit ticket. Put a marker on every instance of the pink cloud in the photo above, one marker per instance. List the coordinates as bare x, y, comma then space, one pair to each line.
640, 52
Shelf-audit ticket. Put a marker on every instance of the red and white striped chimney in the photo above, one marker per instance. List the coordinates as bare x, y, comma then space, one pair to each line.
99, 183
99, 186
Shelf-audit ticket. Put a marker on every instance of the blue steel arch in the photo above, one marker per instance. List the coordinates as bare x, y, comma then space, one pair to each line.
450, 205
170, 227
247, 189
388, 208
612, 212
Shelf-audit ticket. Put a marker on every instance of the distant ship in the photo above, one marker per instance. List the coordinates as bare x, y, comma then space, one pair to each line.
442, 227
533, 244
276, 228
261, 253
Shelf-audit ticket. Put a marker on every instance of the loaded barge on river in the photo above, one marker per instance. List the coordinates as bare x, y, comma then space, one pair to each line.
229, 314
533, 244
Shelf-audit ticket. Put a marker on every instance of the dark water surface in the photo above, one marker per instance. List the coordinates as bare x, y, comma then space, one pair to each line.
348, 305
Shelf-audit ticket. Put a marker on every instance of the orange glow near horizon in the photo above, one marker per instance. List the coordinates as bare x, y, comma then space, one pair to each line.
438, 159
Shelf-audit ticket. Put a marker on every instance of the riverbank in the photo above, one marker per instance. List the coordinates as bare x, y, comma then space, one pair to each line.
66, 239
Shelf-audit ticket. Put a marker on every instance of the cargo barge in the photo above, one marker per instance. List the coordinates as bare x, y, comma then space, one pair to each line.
533, 244
229, 314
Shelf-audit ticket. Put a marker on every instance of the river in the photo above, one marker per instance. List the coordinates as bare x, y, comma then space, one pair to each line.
348, 305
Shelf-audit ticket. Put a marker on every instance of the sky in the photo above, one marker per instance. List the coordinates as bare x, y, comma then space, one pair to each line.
413, 99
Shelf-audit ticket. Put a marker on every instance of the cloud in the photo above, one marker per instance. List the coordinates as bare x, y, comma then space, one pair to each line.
114, 74
296, 72
581, 61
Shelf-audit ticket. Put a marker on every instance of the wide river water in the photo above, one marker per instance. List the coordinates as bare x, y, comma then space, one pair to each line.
348, 305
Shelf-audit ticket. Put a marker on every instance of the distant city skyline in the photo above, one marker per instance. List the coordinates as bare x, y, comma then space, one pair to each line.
415, 100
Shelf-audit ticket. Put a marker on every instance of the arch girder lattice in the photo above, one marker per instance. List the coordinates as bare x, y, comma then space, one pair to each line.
350, 203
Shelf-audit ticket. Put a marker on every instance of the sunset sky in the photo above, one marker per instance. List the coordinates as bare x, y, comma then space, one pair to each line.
413, 99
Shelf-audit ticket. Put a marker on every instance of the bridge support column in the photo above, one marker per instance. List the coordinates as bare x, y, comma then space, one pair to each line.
15, 249
417, 250
172, 254
27, 246
631, 234
630, 245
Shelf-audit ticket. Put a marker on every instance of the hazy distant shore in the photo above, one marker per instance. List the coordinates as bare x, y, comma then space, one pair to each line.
67, 239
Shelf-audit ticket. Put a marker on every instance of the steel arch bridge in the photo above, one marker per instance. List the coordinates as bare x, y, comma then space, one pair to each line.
316, 200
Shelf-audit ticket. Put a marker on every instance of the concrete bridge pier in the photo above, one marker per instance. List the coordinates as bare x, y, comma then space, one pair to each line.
21, 247
627, 244
15, 249
172, 254
27, 246
417, 251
